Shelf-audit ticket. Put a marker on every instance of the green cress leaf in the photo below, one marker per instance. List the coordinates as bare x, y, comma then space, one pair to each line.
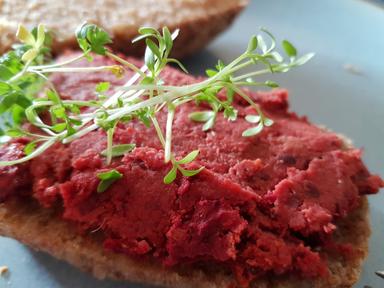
107, 179
289, 49
189, 158
178, 63
155, 50
25, 36
252, 44
171, 175
253, 130
93, 38
271, 84
253, 118
304, 59
201, 116
190, 173
102, 87
268, 122
261, 43
167, 38
120, 150
29, 148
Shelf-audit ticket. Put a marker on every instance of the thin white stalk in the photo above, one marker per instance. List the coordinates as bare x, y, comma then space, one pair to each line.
168, 134
58, 64
72, 69
158, 131
80, 133
109, 144
39, 150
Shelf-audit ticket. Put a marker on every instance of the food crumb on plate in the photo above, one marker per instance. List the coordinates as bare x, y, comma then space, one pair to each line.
353, 69
3, 270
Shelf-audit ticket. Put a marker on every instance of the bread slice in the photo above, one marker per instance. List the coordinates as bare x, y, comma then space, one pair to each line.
199, 20
43, 230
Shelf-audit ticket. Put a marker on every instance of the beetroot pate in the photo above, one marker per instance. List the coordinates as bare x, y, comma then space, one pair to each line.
255, 209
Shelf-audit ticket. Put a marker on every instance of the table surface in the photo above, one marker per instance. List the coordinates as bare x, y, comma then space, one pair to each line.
341, 88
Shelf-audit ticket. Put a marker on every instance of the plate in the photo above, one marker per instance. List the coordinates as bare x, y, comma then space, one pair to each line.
342, 88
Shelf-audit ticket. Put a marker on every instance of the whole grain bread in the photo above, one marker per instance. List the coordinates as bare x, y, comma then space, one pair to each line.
43, 230
199, 20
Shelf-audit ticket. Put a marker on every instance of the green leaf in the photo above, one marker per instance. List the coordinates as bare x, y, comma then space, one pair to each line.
90, 36
304, 59
59, 112
253, 118
120, 150
53, 96
102, 87
40, 39
271, 84
147, 31
252, 44
107, 179
178, 63
189, 158
171, 175
59, 127
201, 116
29, 148
149, 59
210, 72
276, 55
289, 49
155, 50
253, 131
167, 38
15, 132
5, 88
190, 173
268, 122
230, 113
24, 35
261, 42
29, 55
209, 124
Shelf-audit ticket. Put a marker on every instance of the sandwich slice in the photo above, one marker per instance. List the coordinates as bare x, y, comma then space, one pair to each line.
178, 181
199, 20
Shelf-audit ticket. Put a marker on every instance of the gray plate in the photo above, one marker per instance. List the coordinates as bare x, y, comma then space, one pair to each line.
341, 88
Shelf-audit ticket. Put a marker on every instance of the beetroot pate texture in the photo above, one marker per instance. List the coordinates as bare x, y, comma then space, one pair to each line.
255, 209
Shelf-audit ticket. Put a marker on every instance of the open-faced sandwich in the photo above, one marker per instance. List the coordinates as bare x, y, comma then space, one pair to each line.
200, 20
137, 171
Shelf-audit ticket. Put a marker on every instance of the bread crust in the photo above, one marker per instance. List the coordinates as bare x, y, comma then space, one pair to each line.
196, 31
43, 230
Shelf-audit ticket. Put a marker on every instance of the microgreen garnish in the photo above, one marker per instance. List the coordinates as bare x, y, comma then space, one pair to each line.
23, 71
119, 150
171, 176
107, 179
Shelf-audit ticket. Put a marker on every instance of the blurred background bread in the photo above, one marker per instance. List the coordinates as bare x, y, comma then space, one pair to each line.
199, 20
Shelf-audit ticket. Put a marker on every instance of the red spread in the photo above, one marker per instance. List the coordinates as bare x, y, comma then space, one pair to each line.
253, 210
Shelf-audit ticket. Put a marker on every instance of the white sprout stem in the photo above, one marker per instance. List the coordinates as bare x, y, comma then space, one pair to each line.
113, 99
72, 69
109, 144
81, 133
58, 64
168, 134
158, 131
39, 150
21, 73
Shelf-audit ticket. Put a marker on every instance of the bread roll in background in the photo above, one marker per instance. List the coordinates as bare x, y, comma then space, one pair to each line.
199, 20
